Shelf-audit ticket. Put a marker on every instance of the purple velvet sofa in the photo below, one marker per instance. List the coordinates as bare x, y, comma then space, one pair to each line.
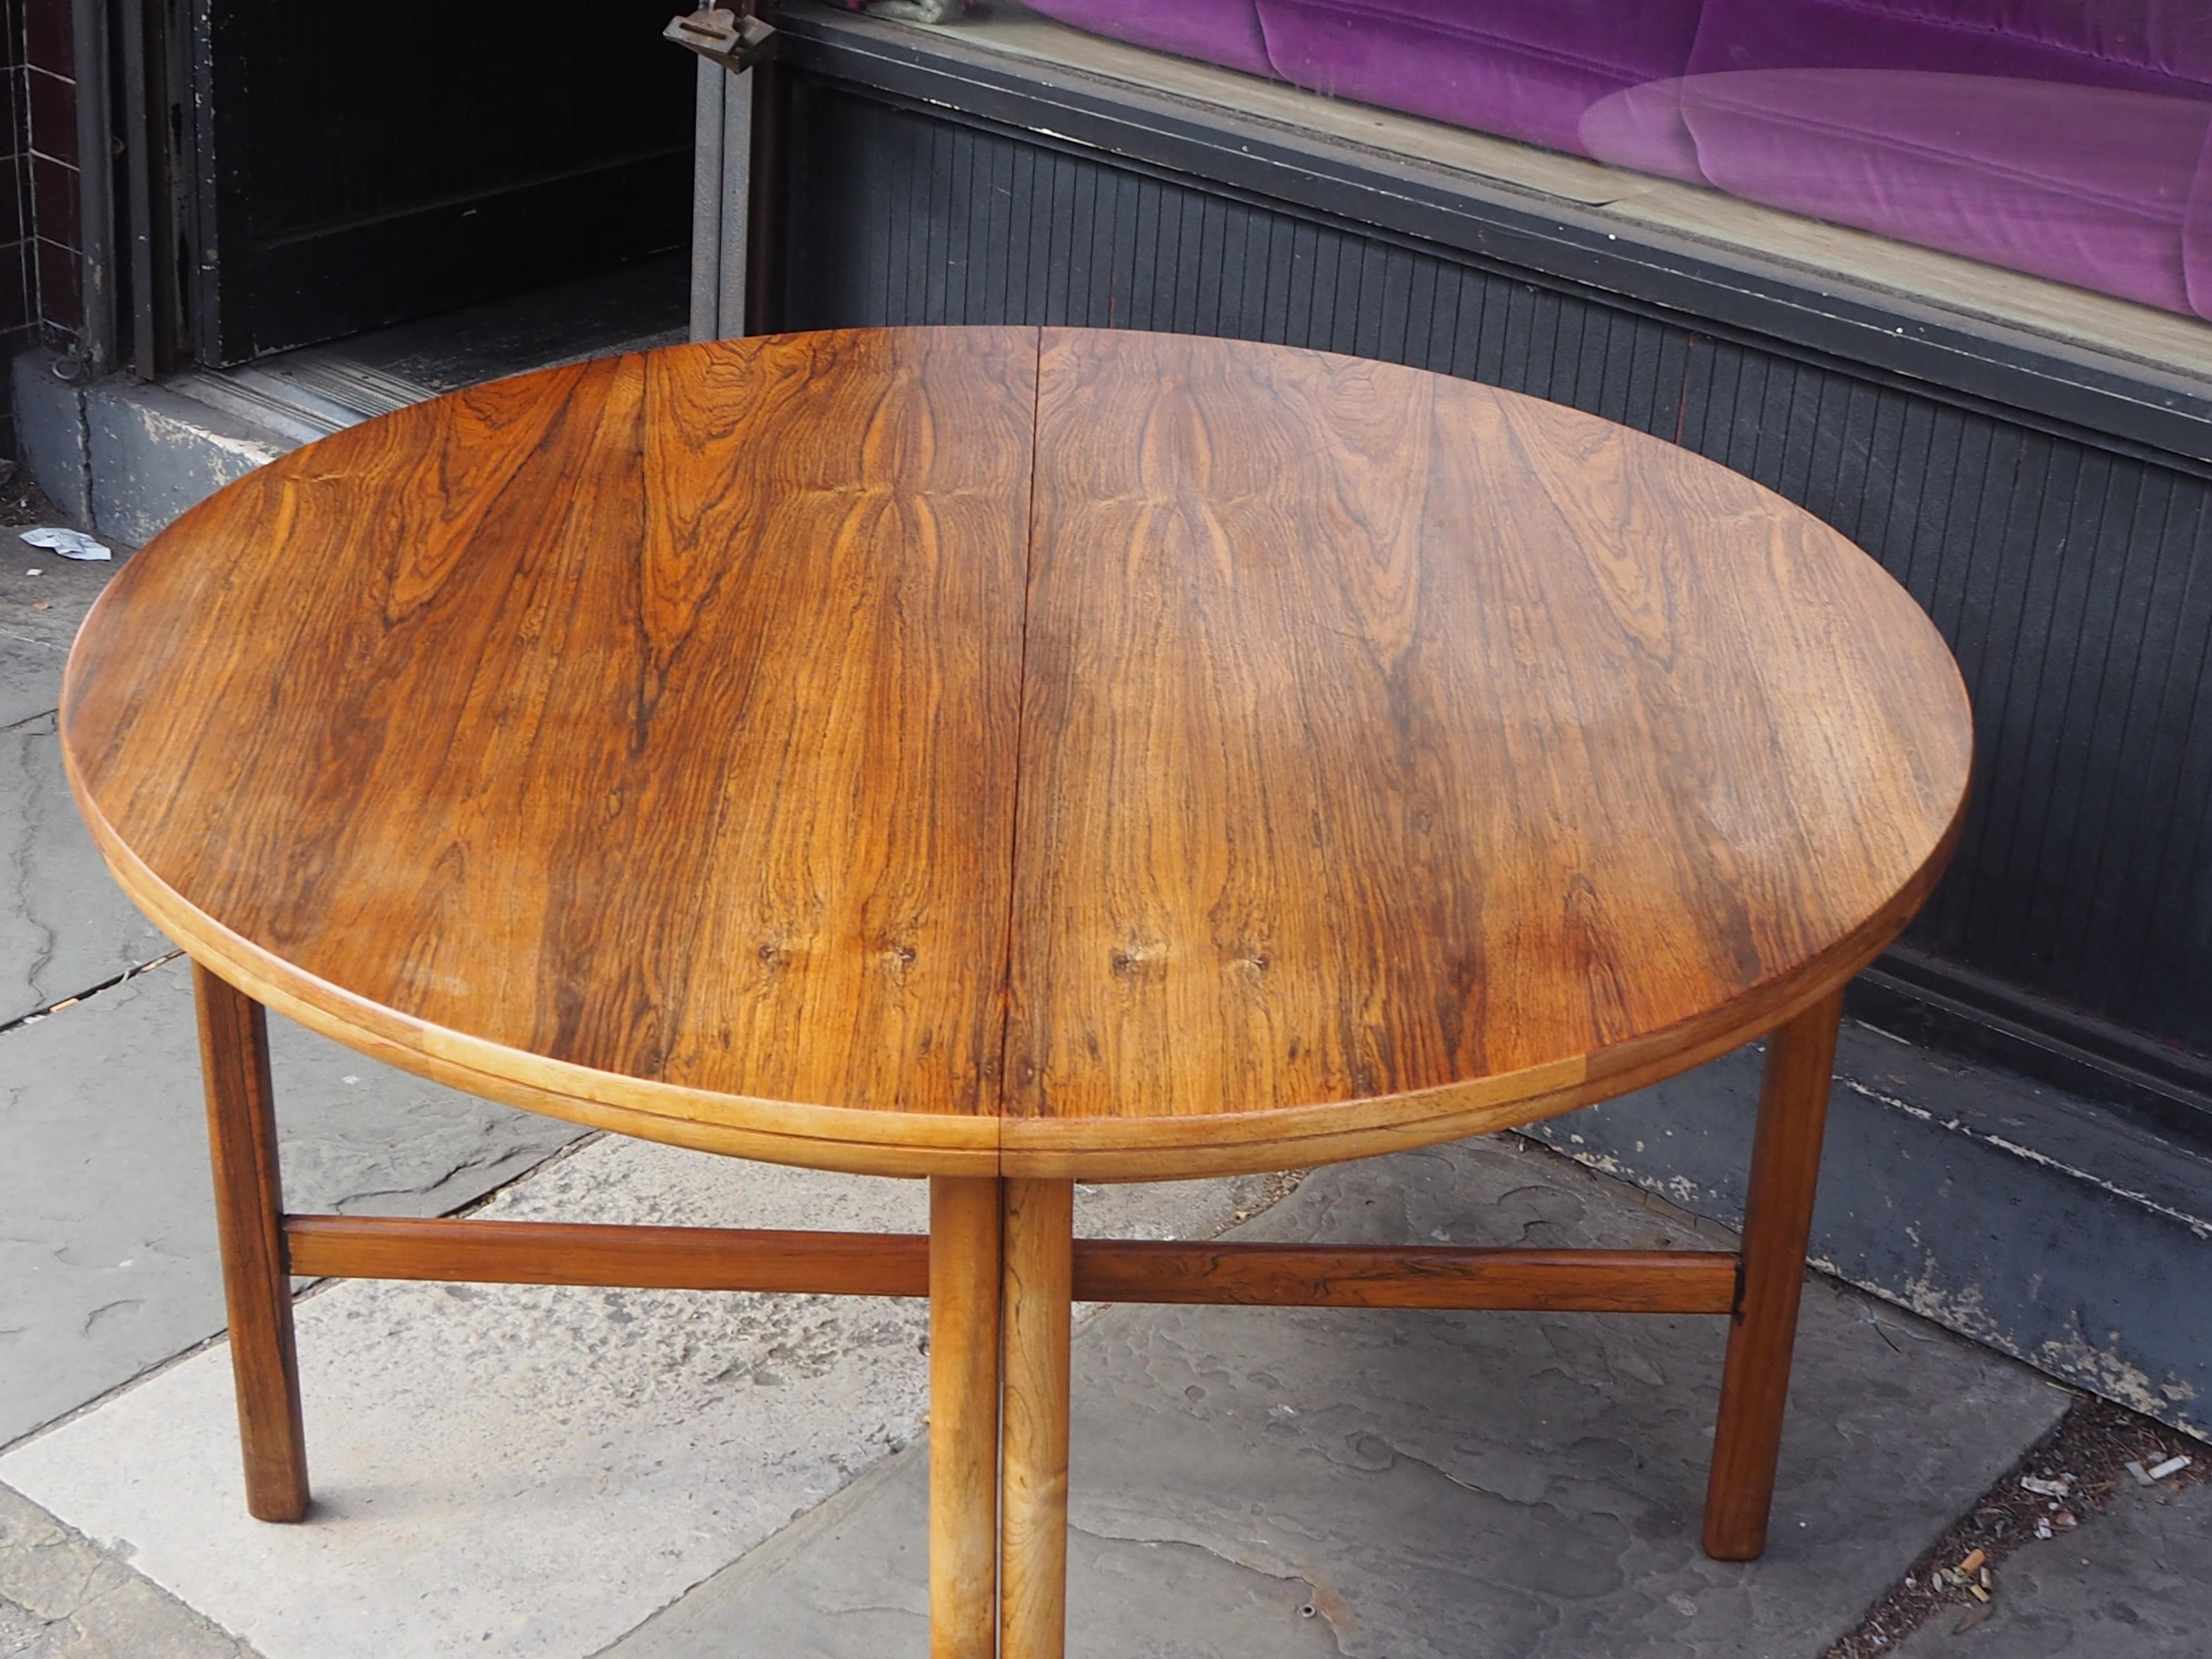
2064, 137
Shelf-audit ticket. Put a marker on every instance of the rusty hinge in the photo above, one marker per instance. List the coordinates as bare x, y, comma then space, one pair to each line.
737, 39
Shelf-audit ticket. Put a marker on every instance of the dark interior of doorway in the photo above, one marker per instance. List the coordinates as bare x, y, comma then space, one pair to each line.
297, 173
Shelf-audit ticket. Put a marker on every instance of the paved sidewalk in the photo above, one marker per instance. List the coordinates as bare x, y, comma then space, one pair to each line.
548, 1472
2132, 1585
108, 1250
1254, 1482
533, 1470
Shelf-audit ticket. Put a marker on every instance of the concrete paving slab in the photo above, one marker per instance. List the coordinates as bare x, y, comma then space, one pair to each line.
107, 1222
39, 619
2135, 1583
150, 453
64, 925
2041, 1224
530, 1470
797, 1595
61, 1598
30, 678
1436, 1485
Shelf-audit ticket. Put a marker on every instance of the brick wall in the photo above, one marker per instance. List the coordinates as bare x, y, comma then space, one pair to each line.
55, 266
41, 297
16, 297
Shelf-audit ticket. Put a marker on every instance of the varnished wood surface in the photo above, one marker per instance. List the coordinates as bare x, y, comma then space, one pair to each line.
1035, 1307
1105, 1270
964, 1262
256, 1281
1038, 751
1422, 1276
640, 731
1389, 736
1785, 1170
645, 1258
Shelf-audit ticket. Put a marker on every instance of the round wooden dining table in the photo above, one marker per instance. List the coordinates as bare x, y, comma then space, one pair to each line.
1014, 757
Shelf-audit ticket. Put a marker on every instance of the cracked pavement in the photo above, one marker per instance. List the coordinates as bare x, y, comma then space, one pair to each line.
62, 1597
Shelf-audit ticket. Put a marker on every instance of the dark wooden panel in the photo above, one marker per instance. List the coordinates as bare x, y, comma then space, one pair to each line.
2073, 578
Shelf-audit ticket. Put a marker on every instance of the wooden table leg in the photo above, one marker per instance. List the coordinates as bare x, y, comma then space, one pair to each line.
1033, 1489
249, 1215
1785, 1168
963, 1416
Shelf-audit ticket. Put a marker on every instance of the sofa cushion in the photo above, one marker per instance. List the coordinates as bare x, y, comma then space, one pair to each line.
1215, 31
2144, 45
1522, 68
2086, 184
2172, 37
2196, 235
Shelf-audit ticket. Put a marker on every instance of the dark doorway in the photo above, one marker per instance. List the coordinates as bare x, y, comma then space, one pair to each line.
337, 168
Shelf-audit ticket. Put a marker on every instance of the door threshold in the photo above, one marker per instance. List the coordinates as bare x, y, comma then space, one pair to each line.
313, 390
126, 456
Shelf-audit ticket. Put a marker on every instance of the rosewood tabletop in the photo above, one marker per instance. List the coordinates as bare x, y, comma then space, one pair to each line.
1014, 756
1015, 750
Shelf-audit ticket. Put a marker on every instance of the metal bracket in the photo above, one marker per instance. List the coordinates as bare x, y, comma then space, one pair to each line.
736, 39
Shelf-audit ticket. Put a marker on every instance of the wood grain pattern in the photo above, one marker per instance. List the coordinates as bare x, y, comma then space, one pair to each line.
720, 745
1389, 737
1033, 1450
964, 1264
671, 650
1424, 1276
1105, 1270
645, 1258
256, 1281
1785, 1168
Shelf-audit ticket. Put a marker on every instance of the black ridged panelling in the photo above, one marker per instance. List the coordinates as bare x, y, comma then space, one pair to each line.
2072, 580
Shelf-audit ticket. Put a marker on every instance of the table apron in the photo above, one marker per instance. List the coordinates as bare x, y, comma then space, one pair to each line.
1439, 1276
